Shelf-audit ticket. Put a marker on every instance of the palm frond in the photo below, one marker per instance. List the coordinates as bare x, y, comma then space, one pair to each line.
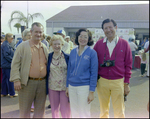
20, 14
37, 15
30, 17
20, 17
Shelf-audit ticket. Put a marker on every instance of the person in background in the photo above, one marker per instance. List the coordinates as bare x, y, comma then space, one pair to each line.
133, 47
72, 39
101, 37
82, 75
29, 73
74, 44
56, 79
143, 43
19, 41
147, 56
26, 35
7, 54
143, 62
147, 49
140, 43
43, 40
48, 40
2, 39
114, 70
67, 38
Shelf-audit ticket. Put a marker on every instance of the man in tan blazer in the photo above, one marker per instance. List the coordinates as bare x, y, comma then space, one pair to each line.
29, 73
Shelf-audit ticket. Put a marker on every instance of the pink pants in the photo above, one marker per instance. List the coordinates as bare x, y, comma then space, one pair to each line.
32, 105
59, 101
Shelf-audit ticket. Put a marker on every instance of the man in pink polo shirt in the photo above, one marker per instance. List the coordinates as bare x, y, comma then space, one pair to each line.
115, 63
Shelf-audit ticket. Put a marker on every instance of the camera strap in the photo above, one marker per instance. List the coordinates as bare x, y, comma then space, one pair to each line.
106, 48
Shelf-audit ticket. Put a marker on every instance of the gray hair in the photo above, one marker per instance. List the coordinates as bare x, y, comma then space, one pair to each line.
57, 37
37, 24
25, 32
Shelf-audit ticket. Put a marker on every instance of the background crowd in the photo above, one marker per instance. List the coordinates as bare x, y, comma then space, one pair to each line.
69, 70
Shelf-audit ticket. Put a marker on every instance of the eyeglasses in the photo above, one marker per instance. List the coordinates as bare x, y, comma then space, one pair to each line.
85, 37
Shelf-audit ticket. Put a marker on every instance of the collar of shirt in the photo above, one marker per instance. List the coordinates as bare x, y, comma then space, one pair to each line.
83, 50
37, 46
115, 39
111, 45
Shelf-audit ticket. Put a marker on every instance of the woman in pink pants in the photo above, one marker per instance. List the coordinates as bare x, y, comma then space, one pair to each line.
56, 79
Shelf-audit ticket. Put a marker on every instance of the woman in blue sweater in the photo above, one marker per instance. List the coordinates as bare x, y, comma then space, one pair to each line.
7, 54
82, 75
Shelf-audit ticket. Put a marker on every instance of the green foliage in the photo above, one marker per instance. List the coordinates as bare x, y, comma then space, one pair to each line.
20, 17
17, 25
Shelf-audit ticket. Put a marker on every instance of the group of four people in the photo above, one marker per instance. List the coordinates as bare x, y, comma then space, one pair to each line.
71, 80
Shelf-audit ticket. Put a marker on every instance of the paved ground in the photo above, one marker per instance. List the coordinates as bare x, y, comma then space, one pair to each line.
136, 104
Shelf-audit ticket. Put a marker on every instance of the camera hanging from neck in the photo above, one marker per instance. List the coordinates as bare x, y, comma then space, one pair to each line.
108, 63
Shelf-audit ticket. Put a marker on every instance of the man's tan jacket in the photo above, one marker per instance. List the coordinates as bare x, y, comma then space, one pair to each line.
21, 61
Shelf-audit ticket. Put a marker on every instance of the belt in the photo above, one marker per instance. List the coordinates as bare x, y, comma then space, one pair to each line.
37, 78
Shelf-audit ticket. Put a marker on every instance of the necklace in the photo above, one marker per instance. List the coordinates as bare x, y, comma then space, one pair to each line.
55, 61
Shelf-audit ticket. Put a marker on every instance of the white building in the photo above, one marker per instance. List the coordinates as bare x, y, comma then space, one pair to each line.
134, 16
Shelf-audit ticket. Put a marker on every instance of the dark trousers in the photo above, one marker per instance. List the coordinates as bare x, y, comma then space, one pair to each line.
133, 58
7, 87
1, 78
143, 68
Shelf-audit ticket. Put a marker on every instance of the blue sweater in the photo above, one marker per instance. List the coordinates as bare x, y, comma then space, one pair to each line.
7, 54
48, 66
83, 69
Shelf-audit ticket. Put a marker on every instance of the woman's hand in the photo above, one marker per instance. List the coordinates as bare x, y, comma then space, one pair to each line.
67, 93
90, 97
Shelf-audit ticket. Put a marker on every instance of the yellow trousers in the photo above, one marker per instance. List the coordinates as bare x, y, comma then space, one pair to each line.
115, 89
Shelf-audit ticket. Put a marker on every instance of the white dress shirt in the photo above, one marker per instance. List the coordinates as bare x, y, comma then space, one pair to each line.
111, 45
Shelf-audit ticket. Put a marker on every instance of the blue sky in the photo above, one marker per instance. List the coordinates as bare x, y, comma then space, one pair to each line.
46, 8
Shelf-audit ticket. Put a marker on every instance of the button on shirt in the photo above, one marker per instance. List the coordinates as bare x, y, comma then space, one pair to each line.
111, 45
38, 61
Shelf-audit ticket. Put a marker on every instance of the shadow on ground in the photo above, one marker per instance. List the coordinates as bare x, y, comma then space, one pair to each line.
10, 101
10, 114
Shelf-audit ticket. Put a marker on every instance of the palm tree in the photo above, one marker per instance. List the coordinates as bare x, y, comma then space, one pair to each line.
17, 25
20, 17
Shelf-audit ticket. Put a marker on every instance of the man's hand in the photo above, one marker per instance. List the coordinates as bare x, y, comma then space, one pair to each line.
90, 97
67, 93
17, 85
126, 89
148, 106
